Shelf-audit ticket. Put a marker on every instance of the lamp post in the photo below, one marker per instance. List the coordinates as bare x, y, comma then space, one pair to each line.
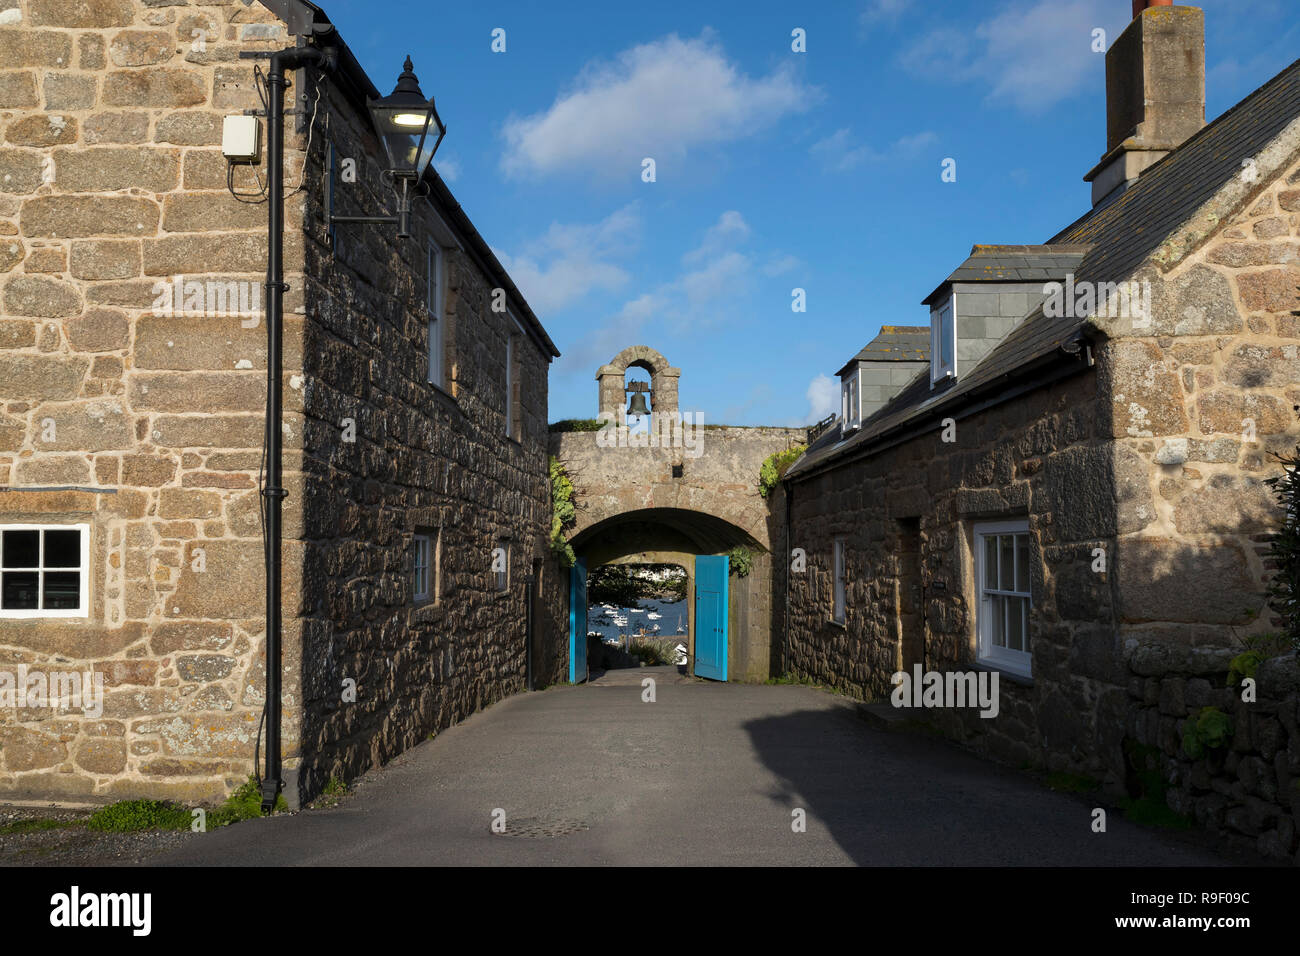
403, 121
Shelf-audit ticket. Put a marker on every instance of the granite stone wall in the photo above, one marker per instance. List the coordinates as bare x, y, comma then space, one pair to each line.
132, 395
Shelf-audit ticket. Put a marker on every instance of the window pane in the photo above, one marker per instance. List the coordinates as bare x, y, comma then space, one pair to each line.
62, 549
1006, 546
1015, 624
18, 591
991, 562
1022, 563
21, 549
998, 626
62, 590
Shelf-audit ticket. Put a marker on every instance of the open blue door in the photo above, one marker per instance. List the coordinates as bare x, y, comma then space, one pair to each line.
578, 622
711, 616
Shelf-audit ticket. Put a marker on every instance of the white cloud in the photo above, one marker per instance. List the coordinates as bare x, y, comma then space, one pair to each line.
781, 264
1030, 57
877, 10
823, 397
730, 229
839, 153
659, 99
448, 168
714, 279
571, 260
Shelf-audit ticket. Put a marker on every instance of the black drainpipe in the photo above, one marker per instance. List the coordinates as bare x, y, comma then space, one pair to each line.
280, 62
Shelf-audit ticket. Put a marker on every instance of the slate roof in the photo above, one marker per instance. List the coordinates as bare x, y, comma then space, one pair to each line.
1121, 235
1015, 264
895, 343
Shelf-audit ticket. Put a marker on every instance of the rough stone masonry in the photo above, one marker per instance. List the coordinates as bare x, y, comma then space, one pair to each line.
147, 427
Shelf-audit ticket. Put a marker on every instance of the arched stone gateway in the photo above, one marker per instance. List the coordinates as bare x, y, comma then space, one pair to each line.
665, 502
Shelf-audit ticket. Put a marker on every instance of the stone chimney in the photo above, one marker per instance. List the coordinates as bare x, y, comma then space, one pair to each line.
1155, 92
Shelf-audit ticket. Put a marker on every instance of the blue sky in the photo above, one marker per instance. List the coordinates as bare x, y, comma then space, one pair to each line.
774, 170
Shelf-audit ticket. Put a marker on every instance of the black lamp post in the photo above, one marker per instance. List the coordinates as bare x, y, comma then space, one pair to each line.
406, 123
403, 121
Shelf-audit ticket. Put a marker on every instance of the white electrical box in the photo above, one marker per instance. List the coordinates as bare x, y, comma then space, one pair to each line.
241, 139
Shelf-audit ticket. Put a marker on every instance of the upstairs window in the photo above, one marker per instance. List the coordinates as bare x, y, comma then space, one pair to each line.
943, 341
850, 401
44, 570
433, 306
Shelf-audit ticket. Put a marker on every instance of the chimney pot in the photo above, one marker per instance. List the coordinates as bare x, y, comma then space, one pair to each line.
1140, 5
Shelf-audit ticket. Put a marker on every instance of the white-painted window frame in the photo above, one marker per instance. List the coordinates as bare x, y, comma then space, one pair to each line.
423, 570
988, 651
939, 370
838, 589
83, 599
851, 400
501, 579
435, 272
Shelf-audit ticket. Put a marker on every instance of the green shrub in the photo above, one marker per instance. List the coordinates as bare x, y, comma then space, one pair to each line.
577, 425
1284, 549
775, 465
129, 816
244, 803
1209, 730
741, 560
563, 512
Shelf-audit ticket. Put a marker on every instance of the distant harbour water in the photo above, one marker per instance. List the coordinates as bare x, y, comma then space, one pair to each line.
603, 621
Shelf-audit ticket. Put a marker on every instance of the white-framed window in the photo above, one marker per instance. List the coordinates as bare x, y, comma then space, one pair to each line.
44, 570
423, 568
433, 306
850, 401
1002, 576
837, 611
510, 383
501, 566
943, 340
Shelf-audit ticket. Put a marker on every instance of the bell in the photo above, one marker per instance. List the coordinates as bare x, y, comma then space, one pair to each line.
637, 407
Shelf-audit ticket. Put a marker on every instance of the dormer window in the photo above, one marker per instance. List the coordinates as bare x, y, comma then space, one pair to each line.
850, 401
943, 340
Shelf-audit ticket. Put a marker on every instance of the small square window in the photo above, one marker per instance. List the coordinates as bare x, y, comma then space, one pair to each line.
677, 471
44, 570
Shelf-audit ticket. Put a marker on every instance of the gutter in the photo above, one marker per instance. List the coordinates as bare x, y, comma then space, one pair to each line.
907, 430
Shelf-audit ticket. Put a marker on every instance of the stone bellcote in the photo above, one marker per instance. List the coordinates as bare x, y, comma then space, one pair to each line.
663, 380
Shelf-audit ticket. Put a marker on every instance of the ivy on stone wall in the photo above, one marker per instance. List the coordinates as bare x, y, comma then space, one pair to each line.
563, 513
1284, 550
742, 560
775, 465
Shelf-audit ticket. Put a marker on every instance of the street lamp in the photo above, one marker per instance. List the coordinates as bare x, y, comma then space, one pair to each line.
405, 122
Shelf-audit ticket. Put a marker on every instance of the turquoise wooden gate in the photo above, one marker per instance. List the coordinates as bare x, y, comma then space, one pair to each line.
578, 622
711, 616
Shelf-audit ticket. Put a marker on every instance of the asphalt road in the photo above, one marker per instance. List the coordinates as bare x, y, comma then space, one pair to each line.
707, 774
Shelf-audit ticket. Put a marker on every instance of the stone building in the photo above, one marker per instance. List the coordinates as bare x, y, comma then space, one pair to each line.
132, 397
693, 491
1070, 493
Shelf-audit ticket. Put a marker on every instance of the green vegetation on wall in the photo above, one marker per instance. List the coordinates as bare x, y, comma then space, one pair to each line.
775, 465
742, 560
1284, 550
563, 513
